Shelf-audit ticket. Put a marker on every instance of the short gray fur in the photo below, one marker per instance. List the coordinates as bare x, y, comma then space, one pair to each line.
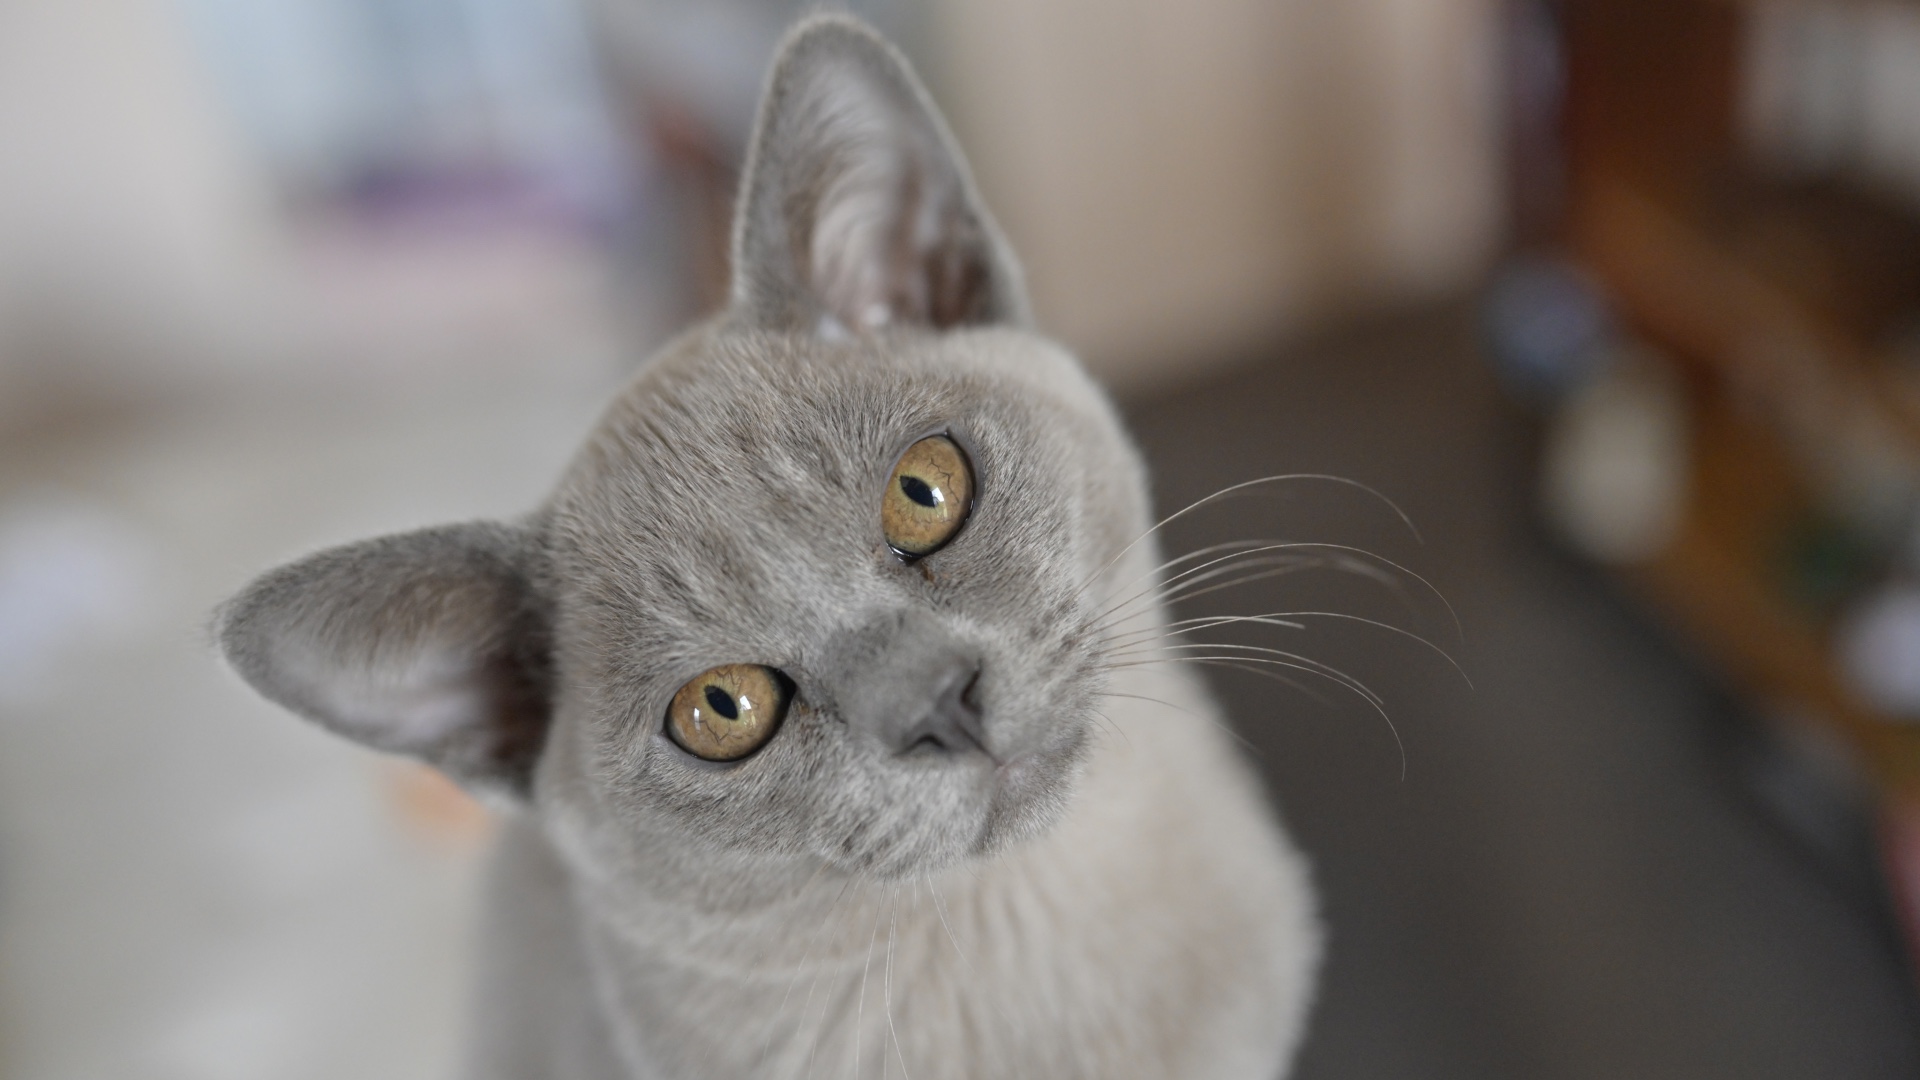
1099, 891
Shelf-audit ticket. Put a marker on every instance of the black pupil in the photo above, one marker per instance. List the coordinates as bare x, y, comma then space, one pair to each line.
919, 491
718, 700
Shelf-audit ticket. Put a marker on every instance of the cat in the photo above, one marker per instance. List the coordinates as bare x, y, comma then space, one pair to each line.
828, 701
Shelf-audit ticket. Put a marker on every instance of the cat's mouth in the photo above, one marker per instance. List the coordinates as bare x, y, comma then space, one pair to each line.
970, 806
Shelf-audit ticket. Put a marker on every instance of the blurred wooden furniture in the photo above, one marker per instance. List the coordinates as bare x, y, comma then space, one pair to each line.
1785, 303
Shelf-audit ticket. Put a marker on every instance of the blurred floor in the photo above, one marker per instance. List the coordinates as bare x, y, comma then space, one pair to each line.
1566, 883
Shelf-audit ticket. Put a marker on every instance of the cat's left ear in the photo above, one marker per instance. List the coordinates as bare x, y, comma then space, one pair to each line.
432, 644
857, 210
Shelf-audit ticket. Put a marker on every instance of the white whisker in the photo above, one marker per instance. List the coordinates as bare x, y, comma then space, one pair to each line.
860, 1008
1283, 619
1210, 549
1244, 485
1294, 660
1331, 674
1275, 676
812, 942
1108, 720
886, 994
1183, 586
1214, 720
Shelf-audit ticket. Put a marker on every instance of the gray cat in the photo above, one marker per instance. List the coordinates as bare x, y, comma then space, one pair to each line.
828, 700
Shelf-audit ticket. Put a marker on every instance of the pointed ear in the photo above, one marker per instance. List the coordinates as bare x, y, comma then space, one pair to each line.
857, 210
433, 644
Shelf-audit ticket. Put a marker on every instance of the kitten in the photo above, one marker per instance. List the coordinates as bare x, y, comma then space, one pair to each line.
827, 697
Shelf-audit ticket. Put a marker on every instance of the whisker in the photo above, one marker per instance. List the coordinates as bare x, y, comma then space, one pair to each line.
1284, 565
1233, 489
1210, 549
1400, 744
1330, 674
1174, 587
1224, 545
820, 1031
940, 908
886, 995
818, 932
1108, 720
1280, 619
1214, 720
1155, 700
1207, 570
1191, 590
1182, 586
1377, 624
1179, 627
860, 1009
1294, 659
1275, 676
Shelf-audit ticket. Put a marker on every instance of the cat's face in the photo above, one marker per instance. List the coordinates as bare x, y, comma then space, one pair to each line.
825, 582
733, 511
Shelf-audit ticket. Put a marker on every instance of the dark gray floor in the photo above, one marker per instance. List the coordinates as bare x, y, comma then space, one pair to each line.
1568, 882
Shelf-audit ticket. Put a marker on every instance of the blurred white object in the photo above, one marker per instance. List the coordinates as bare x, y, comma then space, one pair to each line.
1880, 649
71, 572
1613, 476
443, 101
1836, 88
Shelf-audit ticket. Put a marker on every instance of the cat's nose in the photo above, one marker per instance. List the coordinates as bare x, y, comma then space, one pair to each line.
909, 685
951, 722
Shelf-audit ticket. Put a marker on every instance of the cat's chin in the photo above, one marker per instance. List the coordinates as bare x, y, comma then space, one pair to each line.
1030, 794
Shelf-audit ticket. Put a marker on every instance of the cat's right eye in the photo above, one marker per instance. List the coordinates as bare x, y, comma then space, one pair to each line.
728, 712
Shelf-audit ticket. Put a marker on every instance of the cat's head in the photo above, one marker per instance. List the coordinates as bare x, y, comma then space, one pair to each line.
825, 580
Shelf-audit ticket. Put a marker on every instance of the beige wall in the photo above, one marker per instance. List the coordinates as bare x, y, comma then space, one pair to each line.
143, 256
130, 223
1186, 178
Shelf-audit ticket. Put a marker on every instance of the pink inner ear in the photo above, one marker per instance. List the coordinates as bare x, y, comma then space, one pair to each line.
411, 706
890, 240
888, 246
857, 213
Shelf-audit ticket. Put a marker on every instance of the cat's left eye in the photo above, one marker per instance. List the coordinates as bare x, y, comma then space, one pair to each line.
728, 712
928, 497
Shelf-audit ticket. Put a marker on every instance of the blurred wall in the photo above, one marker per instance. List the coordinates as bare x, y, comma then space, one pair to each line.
1186, 179
131, 224
147, 254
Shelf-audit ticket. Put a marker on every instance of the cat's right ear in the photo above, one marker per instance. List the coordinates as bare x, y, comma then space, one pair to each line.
433, 644
857, 210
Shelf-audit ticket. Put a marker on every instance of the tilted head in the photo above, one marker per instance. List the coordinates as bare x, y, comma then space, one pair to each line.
824, 581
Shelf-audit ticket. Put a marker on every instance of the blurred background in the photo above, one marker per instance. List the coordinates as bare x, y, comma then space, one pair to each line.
1618, 299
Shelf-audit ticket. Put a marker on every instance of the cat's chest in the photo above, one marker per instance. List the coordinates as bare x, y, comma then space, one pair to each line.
908, 980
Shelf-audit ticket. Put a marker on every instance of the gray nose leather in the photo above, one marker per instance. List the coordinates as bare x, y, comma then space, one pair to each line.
952, 722
912, 686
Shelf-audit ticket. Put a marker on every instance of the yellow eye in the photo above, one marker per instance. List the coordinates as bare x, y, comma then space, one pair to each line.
728, 712
927, 498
